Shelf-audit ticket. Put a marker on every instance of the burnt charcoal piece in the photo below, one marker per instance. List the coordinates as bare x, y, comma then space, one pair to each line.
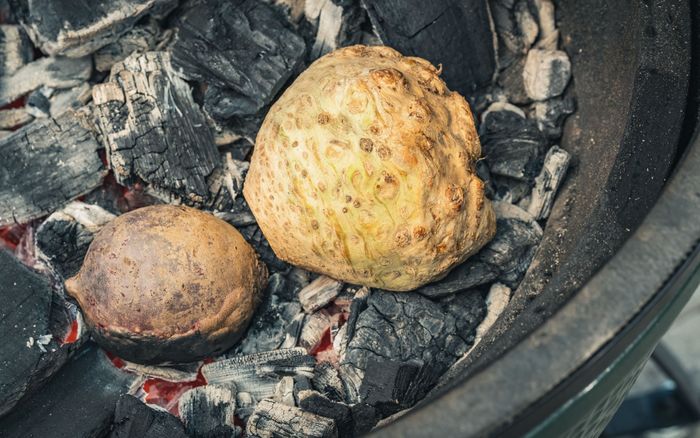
49, 72
15, 49
268, 329
153, 129
327, 381
258, 374
413, 338
516, 28
140, 39
134, 419
511, 190
72, 98
38, 103
513, 82
275, 420
62, 240
77, 402
61, 27
242, 46
319, 292
257, 240
226, 191
313, 329
550, 115
14, 118
457, 35
338, 24
512, 145
358, 304
208, 411
46, 164
556, 162
317, 403
546, 73
284, 391
469, 274
364, 418
293, 331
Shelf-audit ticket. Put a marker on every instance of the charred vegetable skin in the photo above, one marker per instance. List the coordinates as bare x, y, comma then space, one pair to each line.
364, 170
167, 283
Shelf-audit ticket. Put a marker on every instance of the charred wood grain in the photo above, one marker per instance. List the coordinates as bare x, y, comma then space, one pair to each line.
208, 411
271, 419
134, 419
15, 49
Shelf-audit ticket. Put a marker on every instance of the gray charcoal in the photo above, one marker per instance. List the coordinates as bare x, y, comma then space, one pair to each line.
140, 39
284, 392
556, 163
245, 405
546, 73
268, 329
512, 145
315, 326
258, 374
468, 275
45, 165
550, 115
414, 337
14, 118
358, 304
457, 35
153, 129
326, 380
549, 34
15, 49
170, 374
275, 420
134, 419
516, 27
513, 81
72, 98
226, 188
510, 190
208, 411
293, 331
63, 238
61, 27
293, 9
364, 418
317, 403
50, 72
257, 240
319, 292
38, 103
239, 149
241, 45
338, 24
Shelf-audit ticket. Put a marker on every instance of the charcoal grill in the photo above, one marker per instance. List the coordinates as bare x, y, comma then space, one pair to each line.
618, 261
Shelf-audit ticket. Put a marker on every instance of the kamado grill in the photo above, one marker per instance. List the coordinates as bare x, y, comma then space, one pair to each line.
587, 115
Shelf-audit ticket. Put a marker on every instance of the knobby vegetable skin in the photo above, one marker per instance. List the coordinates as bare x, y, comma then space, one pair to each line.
364, 170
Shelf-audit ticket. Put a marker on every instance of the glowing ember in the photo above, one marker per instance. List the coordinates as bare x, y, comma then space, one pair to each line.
11, 235
167, 394
73, 333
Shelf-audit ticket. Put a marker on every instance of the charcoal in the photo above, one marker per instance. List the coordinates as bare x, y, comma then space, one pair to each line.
546, 73
319, 292
511, 190
170, 374
496, 302
49, 72
243, 46
358, 304
549, 35
539, 204
15, 49
45, 165
413, 338
239, 149
284, 392
317, 403
60, 27
78, 401
62, 240
268, 329
134, 419
550, 115
38, 103
515, 243
315, 326
468, 275
364, 418
140, 39
516, 27
512, 145
73, 98
208, 411
254, 236
258, 374
457, 35
153, 129
14, 118
293, 9
293, 331
225, 190
245, 405
327, 381
271, 419
338, 24
513, 82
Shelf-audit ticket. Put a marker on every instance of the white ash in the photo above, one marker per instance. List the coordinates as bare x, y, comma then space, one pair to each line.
539, 203
275, 420
284, 392
546, 73
319, 292
209, 411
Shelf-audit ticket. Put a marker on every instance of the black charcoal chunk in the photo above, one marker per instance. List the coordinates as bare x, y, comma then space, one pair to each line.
546, 73
556, 163
77, 402
457, 35
208, 411
338, 24
364, 418
153, 129
510, 190
242, 46
317, 403
268, 329
293, 331
226, 191
513, 83
134, 419
411, 338
326, 380
140, 39
52, 72
358, 304
15, 49
38, 103
46, 164
550, 115
61, 27
512, 145
63, 238
516, 28
276, 420
258, 374
468, 275
254, 236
